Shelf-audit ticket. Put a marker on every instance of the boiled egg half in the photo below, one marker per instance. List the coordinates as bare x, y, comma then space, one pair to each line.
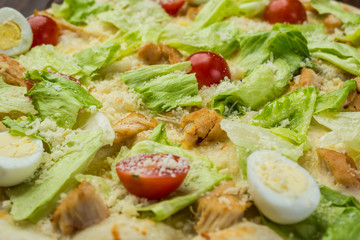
19, 158
15, 31
281, 189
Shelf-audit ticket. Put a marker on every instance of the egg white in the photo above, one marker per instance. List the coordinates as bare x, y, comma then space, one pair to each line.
281, 207
14, 170
10, 14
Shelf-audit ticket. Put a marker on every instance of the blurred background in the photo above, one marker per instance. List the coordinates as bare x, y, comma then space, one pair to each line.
26, 7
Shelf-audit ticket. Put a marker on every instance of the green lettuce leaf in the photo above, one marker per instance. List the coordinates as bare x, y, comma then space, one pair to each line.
159, 135
336, 217
345, 127
258, 48
23, 127
339, 54
78, 11
332, 101
293, 111
36, 199
136, 78
128, 14
46, 57
220, 38
12, 99
214, 11
59, 98
350, 20
251, 8
264, 84
312, 32
202, 177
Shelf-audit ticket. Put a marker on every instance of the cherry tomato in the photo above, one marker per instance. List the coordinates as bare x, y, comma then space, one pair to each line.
209, 68
172, 7
285, 11
152, 176
45, 30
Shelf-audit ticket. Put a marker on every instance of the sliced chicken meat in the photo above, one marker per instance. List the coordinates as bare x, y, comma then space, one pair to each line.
220, 208
80, 209
156, 54
307, 78
131, 125
201, 128
11, 71
331, 23
352, 102
342, 166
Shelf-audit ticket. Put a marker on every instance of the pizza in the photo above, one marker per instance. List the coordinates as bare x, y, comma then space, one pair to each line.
196, 119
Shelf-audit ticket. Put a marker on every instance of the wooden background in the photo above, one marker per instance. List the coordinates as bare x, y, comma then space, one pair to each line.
26, 7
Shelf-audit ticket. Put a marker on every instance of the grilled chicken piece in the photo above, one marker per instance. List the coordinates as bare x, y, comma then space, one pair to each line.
81, 209
221, 208
11, 71
64, 26
342, 166
131, 125
155, 54
352, 102
307, 78
331, 23
201, 128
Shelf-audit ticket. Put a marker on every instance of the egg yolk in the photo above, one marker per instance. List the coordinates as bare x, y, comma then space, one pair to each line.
16, 146
282, 178
10, 34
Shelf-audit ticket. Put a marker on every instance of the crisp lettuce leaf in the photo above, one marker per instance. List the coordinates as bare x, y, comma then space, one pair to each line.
136, 78
252, 8
128, 14
214, 11
264, 84
293, 111
312, 32
59, 98
339, 54
34, 200
202, 177
258, 48
45, 57
345, 127
78, 11
253, 138
336, 217
12, 99
159, 135
170, 91
220, 38
332, 101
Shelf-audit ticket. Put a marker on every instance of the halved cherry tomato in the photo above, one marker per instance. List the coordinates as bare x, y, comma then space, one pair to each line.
45, 30
209, 68
172, 7
285, 11
152, 176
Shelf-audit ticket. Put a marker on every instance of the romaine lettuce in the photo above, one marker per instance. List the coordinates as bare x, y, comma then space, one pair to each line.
58, 98
34, 200
336, 217
341, 55
258, 48
77, 11
312, 32
202, 177
220, 38
293, 111
251, 8
12, 99
332, 101
264, 84
159, 135
45, 57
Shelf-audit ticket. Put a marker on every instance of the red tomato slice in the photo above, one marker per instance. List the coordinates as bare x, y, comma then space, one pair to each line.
152, 176
172, 7
285, 11
45, 30
209, 68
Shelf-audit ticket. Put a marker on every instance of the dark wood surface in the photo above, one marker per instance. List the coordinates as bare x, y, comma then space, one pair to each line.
26, 7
